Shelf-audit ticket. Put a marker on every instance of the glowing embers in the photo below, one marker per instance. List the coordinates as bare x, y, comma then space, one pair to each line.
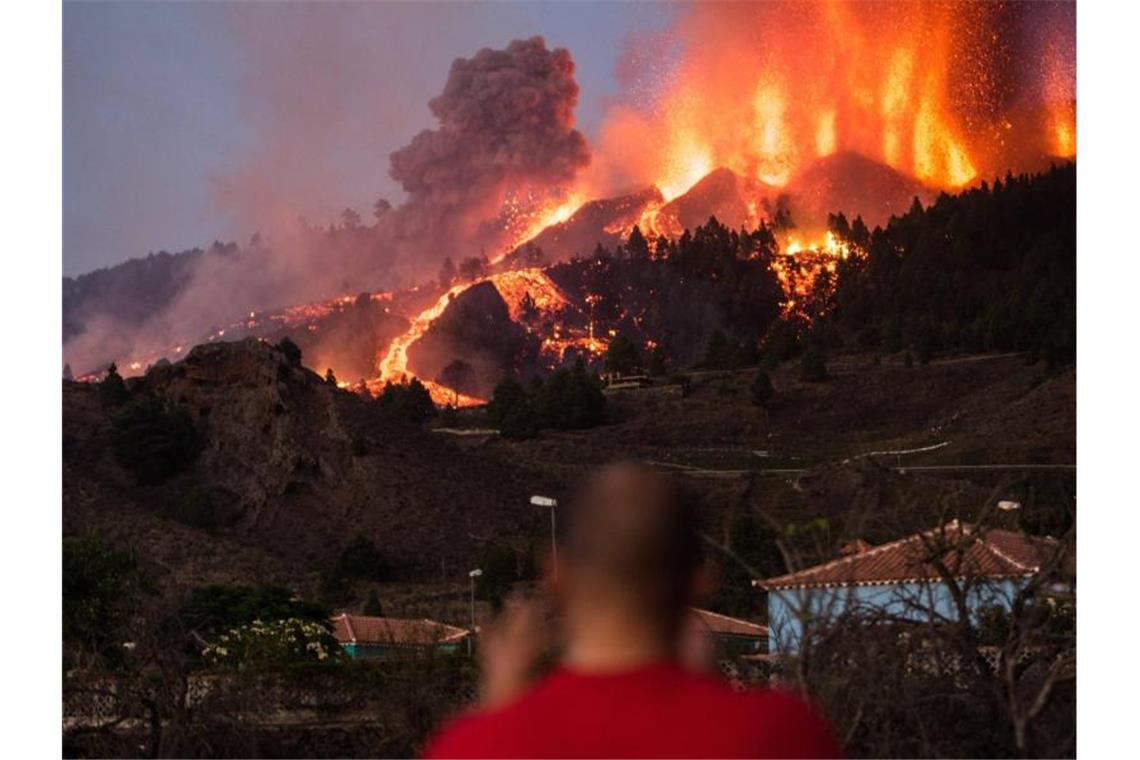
807, 271
775, 150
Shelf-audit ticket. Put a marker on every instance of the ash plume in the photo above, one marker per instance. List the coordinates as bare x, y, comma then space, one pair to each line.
506, 130
506, 124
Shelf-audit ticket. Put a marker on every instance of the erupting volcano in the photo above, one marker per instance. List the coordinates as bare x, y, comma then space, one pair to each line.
766, 116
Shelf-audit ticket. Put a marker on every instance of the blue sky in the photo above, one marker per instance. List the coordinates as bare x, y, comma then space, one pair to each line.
164, 101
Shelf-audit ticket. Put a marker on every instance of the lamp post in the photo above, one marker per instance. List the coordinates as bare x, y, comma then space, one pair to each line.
552, 504
472, 575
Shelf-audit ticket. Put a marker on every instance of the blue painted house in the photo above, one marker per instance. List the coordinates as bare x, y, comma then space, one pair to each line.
363, 637
907, 579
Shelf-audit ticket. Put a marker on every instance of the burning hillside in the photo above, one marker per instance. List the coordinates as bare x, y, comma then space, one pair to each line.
768, 117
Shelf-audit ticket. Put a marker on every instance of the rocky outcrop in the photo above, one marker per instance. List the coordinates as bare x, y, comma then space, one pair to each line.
299, 467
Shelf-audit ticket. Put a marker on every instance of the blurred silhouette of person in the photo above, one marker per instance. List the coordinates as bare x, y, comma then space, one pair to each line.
628, 570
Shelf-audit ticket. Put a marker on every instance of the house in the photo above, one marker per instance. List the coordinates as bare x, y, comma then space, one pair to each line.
370, 638
908, 579
730, 637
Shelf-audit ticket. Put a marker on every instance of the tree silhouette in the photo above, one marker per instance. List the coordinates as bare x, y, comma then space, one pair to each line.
761, 389
459, 376
622, 356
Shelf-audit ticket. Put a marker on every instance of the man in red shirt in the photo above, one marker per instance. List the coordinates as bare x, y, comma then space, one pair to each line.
628, 572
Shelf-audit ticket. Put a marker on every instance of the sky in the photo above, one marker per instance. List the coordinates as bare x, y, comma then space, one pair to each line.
185, 123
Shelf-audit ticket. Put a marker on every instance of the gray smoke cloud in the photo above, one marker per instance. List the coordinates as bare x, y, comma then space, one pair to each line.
506, 122
506, 127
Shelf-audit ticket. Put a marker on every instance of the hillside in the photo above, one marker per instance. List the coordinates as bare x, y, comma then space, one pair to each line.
294, 470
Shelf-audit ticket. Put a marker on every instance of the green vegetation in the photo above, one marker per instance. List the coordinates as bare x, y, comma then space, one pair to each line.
360, 559
757, 555
989, 269
212, 609
622, 356
510, 410
372, 606
98, 583
567, 400
710, 278
267, 643
761, 389
723, 352
409, 401
153, 441
112, 390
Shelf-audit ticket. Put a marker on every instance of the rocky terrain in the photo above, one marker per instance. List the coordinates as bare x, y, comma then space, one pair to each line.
295, 469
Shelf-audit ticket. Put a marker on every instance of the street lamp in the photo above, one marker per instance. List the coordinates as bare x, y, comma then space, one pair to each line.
552, 504
472, 575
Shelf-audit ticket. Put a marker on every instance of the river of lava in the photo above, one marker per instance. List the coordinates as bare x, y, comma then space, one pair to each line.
514, 286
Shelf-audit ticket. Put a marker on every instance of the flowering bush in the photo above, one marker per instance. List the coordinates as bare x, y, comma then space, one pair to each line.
274, 642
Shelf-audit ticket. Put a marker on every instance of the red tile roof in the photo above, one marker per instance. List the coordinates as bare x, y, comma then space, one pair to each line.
714, 622
361, 629
964, 552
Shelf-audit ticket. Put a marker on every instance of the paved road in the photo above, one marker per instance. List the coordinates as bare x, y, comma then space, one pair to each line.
697, 472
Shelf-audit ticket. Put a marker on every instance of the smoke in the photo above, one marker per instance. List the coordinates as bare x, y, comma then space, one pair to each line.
948, 93
505, 137
506, 127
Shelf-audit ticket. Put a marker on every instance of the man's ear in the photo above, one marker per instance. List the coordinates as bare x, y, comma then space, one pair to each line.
705, 583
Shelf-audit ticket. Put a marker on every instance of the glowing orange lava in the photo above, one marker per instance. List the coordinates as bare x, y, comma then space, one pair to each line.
514, 286
766, 88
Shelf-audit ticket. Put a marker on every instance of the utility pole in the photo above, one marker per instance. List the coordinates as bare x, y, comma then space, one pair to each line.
552, 504
471, 636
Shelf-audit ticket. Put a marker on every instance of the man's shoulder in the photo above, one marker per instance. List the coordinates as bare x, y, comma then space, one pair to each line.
464, 736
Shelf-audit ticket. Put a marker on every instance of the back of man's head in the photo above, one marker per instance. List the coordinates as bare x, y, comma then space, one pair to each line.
633, 542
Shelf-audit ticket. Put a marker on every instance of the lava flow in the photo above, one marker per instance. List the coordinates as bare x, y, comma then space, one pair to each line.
514, 287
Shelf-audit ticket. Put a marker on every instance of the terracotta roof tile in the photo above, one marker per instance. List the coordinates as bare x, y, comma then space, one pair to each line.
723, 624
965, 552
361, 629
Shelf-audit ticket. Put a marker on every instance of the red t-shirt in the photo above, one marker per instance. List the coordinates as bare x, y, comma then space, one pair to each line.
660, 710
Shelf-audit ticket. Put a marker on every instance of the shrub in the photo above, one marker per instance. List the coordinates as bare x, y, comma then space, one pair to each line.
812, 367
761, 389
291, 350
569, 399
409, 401
113, 391
154, 442
510, 410
274, 642
97, 581
508, 394
215, 608
361, 559
622, 356
372, 606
